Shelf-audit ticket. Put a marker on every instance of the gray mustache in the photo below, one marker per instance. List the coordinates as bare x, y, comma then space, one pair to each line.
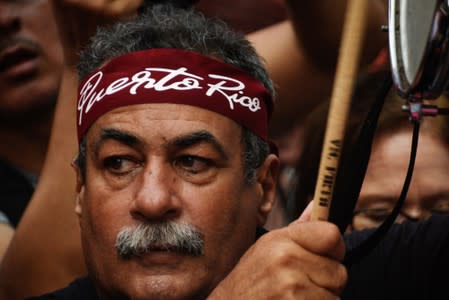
167, 236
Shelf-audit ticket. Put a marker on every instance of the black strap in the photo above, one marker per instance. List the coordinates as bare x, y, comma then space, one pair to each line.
352, 173
371, 242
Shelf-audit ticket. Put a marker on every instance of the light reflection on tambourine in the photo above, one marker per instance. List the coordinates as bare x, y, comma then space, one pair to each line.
419, 47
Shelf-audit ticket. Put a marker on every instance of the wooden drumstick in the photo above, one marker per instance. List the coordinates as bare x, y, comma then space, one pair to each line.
347, 67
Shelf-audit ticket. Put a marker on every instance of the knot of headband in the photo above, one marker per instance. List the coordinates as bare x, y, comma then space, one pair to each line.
165, 75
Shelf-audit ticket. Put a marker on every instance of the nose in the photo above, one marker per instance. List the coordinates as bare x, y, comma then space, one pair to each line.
415, 213
9, 19
156, 198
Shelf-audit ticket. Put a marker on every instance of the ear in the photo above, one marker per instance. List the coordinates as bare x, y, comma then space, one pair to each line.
267, 177
79, 189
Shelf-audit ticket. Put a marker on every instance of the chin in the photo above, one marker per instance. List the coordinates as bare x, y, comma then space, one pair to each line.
162, 294
159, 288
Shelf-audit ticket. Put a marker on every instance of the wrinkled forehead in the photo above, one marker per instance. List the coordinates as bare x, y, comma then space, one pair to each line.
157, 123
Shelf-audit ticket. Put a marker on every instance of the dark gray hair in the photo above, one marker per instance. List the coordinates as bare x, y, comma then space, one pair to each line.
165, 26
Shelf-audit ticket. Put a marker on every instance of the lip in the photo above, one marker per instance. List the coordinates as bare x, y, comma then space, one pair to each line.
18, 61
160, 258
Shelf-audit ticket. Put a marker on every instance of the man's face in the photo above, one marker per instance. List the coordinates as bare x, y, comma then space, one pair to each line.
30, 58
386, 173
154, 163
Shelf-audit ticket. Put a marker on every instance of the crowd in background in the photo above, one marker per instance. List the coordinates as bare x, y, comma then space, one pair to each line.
40, 247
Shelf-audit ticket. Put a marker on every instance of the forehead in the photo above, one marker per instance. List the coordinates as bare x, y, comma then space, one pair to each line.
389, 161
159, 122
394, 148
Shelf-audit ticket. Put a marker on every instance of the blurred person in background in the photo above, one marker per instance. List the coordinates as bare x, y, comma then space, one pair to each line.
387, 167
30, 71
429, 192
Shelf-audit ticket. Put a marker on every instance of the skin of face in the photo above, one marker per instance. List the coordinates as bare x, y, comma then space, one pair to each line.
30, 58
387, 170
163, 175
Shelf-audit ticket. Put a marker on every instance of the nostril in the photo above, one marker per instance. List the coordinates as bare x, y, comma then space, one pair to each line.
9, 22
15, 24
144, 216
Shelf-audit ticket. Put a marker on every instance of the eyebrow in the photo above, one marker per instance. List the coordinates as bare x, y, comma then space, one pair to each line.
114, 134
184, 141
390, 199
378, 199
199, 137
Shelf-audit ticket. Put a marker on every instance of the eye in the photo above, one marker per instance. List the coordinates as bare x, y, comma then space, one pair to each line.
119, 165
378, 214
374, 214
193, 164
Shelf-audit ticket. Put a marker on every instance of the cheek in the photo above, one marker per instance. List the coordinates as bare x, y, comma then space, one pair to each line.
103, 215
218, 208
101, 219
41, 22
218, 218
227, 217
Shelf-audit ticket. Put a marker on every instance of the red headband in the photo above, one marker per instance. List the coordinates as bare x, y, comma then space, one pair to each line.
174, 76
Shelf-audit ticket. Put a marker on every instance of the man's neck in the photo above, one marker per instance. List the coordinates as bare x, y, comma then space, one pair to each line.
25, 147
